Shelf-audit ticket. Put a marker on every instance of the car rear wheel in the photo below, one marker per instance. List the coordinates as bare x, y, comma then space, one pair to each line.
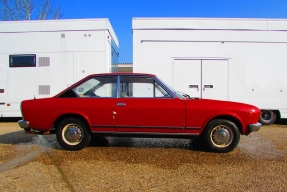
221, 136
267, 117
72, 134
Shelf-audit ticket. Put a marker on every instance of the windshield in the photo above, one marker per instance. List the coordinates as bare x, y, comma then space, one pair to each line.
170, 88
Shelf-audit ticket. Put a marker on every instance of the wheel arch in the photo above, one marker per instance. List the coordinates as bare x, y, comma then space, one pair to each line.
233, 119
72, 115
278, 115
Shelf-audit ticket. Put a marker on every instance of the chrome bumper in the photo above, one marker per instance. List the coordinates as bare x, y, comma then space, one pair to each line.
254, 127
23, 124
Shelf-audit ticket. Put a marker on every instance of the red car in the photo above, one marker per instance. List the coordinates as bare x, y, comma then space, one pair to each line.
134, 104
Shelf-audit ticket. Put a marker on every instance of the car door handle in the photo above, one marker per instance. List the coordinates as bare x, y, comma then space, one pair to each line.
121, 104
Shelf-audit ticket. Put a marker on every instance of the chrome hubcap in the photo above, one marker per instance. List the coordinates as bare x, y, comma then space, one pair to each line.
221, 136
72, 134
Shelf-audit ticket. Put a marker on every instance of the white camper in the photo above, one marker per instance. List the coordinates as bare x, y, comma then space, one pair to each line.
242, 60
40, 58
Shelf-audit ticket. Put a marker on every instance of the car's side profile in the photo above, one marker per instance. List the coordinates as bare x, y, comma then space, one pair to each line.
133, 104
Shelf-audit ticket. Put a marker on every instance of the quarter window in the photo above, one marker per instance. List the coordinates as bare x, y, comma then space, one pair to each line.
22, 60
98, 87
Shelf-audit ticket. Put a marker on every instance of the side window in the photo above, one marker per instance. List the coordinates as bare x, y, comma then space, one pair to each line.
98, 87
22, 60
132, 86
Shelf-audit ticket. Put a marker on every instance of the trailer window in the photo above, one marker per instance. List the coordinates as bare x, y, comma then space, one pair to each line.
22, 60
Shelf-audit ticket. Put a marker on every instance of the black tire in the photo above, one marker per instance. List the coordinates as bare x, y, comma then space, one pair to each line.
72, 134
221, 136
267, 117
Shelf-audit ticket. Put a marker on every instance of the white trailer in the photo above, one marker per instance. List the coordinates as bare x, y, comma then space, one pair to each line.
242, 60
40, 58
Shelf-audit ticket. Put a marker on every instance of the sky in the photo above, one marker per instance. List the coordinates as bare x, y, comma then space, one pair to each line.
121, 12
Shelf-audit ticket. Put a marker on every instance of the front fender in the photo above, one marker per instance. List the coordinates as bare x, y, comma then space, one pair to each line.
69, 113
234, 117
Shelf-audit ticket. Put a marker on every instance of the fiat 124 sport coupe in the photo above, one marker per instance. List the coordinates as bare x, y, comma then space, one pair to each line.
137, 105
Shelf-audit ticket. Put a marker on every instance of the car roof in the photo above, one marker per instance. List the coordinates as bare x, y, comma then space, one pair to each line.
104, 74
121, 73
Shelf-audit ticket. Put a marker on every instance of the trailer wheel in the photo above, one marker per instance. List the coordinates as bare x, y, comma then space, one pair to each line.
221, 136
72, 134
267, 117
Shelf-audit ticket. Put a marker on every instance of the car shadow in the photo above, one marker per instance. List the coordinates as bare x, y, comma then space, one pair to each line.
17, 137
132, 142
10, 119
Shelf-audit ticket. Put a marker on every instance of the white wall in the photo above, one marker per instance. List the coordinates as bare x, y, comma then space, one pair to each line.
255, 50
76, 48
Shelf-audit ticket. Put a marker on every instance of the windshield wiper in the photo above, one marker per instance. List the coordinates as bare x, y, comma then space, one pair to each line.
185, 95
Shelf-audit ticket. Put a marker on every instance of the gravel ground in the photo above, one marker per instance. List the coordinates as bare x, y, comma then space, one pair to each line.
37, 163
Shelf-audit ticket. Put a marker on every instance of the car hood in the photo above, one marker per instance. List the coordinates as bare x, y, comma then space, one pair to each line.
219, 104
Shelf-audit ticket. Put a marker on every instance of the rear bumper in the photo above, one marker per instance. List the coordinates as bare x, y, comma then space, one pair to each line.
23, 124
254, 127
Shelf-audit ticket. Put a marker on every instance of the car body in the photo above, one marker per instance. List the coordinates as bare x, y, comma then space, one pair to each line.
136, 104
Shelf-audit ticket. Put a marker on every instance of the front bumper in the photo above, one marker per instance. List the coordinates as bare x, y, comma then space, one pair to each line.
254, 127
23, 124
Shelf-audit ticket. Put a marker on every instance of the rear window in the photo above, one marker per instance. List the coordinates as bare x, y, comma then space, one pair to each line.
22, 60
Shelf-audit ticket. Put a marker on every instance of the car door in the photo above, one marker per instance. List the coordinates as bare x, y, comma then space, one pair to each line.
145, 106
97, 100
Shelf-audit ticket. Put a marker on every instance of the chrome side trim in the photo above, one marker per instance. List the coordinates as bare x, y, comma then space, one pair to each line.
139, 127
193, 128
103, 126
23, 124
146, 133
254, 127
149, 127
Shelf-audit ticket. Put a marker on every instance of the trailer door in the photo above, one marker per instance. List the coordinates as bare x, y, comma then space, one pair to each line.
215, 79
89, 63
202, 78
187, 77
3, 80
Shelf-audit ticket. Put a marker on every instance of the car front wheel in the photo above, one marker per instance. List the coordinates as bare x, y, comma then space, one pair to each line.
221, 136
72, 134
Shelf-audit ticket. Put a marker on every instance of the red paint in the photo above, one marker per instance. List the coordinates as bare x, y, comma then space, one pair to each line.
158, 115
151, 114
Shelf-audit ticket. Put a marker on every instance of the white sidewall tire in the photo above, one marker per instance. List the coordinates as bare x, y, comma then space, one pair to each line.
81, 128
228, 128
